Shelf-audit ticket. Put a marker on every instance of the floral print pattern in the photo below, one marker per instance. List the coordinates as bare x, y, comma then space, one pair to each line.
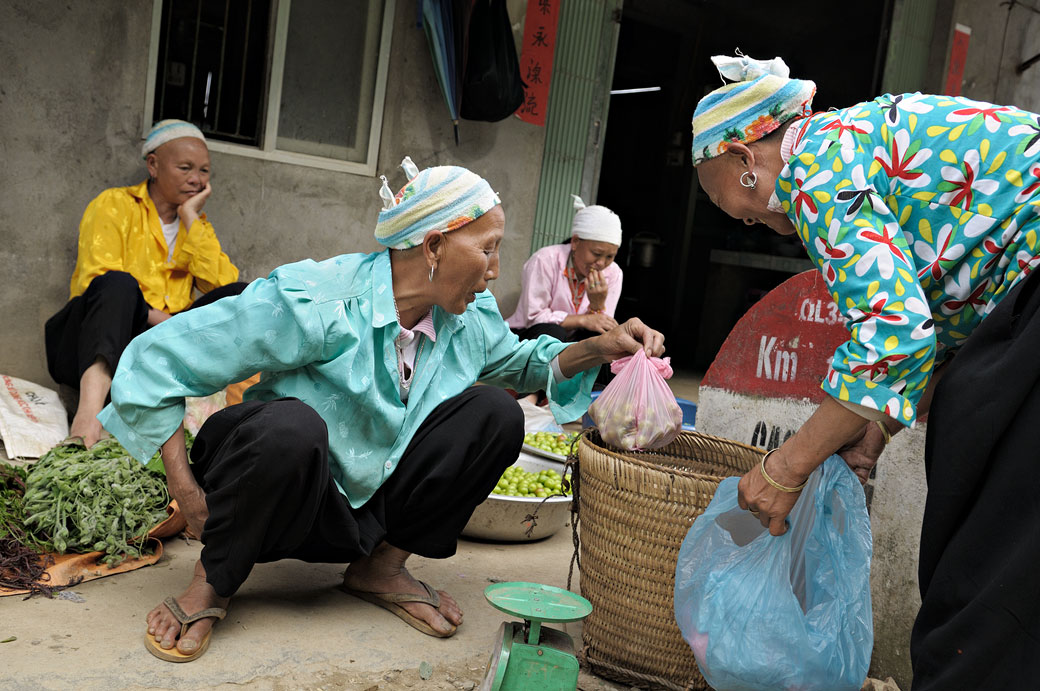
921, 212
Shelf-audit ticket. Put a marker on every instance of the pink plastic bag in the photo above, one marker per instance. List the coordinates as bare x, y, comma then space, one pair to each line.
637, 410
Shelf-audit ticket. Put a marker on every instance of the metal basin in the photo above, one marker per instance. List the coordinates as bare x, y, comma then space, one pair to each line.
504, 519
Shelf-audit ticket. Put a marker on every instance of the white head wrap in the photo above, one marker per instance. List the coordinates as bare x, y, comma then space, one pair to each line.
595, 223
168, 130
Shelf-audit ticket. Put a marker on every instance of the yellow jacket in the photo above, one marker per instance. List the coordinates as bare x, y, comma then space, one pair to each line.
121, 231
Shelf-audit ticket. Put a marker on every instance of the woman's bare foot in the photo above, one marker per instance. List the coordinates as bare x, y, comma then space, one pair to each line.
94, 385
199, 596
383, 571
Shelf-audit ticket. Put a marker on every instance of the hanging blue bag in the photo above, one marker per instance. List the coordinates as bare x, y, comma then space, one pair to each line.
789, 612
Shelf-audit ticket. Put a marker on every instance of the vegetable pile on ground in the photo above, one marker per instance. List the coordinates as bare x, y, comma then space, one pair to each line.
97, 499
20, 565
12, 514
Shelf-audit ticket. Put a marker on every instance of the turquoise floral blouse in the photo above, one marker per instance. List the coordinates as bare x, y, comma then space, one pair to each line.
921, 212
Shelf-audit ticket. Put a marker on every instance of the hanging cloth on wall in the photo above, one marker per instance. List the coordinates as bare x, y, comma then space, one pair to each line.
491, 88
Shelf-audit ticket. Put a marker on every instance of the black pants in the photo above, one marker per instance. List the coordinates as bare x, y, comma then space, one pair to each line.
101, 323
265, 469
979, 624
554, 330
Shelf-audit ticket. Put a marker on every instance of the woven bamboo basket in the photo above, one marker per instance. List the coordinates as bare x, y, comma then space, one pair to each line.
634, 509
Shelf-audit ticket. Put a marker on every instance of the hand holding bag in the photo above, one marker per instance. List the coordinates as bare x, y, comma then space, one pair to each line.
637, 410
787, 612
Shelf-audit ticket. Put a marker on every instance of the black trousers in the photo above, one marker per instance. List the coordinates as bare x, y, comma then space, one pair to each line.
979, 624
101, 323
265, 469
554, 330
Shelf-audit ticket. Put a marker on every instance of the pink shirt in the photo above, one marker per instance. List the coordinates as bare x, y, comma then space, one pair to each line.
546, 295
790, 136
408, 346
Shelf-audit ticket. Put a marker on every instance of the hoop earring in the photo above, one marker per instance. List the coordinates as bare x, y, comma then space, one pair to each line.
431, 272
751, 181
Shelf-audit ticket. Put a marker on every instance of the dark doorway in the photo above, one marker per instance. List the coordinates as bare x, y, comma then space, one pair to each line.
690, 270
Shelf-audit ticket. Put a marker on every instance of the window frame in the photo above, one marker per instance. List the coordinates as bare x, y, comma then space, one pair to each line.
271, 104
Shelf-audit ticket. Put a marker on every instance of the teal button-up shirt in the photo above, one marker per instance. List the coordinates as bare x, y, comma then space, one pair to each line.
323, 332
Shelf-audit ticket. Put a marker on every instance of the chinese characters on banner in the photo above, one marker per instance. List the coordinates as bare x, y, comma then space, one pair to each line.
536, 59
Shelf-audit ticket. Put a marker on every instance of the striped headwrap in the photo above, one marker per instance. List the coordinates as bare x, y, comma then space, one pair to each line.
440, 198
167, 130
761, 98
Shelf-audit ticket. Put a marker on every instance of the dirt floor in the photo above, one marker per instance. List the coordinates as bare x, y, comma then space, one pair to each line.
462, 676
288, 627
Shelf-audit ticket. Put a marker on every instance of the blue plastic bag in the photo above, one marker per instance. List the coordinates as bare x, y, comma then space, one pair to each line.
789, 612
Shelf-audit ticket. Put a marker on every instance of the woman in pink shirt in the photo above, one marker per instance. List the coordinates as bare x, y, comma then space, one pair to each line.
570, 291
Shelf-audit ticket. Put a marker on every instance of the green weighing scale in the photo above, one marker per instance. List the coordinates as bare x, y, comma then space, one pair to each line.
529, 656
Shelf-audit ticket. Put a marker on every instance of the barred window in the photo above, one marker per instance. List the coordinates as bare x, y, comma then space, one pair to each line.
299, 81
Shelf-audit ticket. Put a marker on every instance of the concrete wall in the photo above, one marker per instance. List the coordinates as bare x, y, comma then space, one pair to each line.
1003, 36
896, 510
71, 103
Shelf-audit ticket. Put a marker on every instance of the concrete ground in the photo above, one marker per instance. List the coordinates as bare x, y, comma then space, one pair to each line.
287, 628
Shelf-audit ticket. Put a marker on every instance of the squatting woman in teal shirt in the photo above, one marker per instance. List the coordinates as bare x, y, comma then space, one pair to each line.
366, 440
922, 213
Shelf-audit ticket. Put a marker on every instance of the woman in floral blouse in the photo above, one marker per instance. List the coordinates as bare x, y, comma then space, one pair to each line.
922, 213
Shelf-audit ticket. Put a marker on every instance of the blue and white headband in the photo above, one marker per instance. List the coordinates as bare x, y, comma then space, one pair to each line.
168, 130
441, 198
760, 98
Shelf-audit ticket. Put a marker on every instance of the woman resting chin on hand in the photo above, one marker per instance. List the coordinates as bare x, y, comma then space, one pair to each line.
570, 291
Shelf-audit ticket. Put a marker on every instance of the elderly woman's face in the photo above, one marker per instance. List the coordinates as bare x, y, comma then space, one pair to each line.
589, 255
469, 261
720, 180
180, 168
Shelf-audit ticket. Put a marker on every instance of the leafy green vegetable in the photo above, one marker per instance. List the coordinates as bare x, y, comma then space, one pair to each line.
21, 566
12, 512
97, 499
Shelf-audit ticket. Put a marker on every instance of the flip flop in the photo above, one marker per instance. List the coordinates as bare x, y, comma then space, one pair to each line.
389, 602
174, 655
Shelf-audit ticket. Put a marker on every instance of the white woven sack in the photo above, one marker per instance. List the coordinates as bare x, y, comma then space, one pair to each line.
32, 418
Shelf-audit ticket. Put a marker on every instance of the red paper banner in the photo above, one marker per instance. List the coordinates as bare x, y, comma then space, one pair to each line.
958, 56
536, 59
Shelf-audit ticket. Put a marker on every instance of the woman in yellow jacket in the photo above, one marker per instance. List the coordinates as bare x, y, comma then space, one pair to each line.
143, 249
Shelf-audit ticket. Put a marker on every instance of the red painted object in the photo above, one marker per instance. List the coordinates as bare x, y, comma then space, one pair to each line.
958, 59
536, 59
783, 345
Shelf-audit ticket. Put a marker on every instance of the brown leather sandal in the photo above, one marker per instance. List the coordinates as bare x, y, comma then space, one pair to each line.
172, 654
